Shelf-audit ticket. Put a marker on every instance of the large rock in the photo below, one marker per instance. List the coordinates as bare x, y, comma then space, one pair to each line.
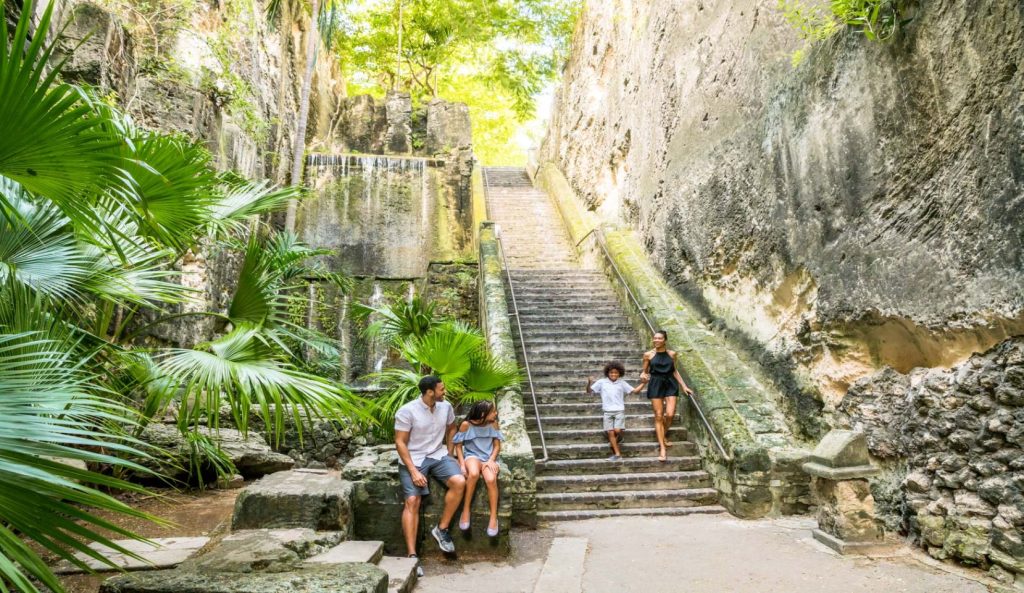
334, 578
317, 500
271, 550
250, 454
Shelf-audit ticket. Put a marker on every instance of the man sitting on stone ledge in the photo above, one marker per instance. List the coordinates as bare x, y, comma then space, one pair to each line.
422, 427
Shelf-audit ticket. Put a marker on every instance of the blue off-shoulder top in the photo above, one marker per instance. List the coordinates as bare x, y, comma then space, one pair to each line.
478, 441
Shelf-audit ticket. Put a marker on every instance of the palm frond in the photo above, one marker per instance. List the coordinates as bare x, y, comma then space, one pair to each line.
447, 350
243, 370
238, 200
398, 322
398, 387
173, 186
486, 375
51, 417
52, 140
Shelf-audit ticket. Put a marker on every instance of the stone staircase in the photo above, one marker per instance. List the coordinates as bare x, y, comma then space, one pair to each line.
572, 324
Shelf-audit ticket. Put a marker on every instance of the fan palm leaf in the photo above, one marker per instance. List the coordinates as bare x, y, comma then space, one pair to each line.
397, 388
486, 375
51, 415
447, 351
52, 140
399, 321
242, 369
238, 200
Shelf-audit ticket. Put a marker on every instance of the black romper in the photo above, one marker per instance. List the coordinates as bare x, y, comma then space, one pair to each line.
663, 381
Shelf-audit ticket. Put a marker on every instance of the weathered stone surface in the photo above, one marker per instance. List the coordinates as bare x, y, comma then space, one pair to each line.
298, 498
846, 509
398, 109
270, 550
846, 214
332, 578
250, 454
949, 428
351, 551
161, 552
448, 127
842, 454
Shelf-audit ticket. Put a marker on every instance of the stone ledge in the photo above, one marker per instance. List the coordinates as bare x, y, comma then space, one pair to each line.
820, 470
881, 548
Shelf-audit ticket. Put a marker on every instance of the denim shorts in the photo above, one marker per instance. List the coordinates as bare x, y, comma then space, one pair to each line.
439, 469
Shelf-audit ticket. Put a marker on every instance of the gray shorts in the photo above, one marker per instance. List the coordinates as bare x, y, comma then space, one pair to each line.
615, 420
439, 469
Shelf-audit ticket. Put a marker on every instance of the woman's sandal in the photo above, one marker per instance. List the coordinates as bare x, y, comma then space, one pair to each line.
492, 533
464, 526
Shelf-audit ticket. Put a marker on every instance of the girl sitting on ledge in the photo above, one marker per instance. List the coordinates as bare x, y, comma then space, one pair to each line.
477, 445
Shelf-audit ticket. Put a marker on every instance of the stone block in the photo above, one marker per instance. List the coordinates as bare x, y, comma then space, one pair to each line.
330, 578
398, 110
353, 551
841, 454
161, 552
298, 498
846, 510
274, 550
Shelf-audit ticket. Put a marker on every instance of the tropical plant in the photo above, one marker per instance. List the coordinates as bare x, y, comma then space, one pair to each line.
95, 216
454, 352
877, 20
397, 322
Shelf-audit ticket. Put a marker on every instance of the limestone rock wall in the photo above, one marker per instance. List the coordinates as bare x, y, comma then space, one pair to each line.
953, 443
861, 210
219, 72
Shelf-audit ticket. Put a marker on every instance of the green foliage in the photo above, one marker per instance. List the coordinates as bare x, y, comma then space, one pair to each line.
398, 322
95, 215
494, 56
454, 352
878, 20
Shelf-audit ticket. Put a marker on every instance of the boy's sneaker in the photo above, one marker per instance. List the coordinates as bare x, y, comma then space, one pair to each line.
444, 541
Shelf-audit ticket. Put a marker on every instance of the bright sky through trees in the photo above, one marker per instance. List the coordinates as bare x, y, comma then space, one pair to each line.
497, 56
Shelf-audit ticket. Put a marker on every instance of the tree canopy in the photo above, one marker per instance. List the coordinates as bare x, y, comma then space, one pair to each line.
495, 55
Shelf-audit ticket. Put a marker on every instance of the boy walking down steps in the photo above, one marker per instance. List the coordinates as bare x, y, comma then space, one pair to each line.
613, 389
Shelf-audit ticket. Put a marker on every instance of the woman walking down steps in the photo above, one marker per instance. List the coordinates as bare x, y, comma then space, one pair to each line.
573, 323
663, 388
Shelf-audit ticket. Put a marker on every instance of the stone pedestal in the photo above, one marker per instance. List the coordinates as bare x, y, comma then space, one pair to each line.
312, 499
839, 468
377, 505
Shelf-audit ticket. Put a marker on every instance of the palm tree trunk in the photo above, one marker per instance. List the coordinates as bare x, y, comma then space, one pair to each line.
299, 150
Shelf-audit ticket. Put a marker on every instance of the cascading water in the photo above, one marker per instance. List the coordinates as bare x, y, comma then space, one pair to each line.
376, 214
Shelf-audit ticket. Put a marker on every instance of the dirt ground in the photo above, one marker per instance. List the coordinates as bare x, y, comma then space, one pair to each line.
191, 513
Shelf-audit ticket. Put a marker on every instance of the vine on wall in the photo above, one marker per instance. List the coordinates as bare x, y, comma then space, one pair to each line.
877, 20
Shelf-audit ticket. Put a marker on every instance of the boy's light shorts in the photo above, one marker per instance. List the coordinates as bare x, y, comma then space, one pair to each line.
614, 420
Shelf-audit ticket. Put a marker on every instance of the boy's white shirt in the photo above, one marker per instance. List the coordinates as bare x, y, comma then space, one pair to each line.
613, 394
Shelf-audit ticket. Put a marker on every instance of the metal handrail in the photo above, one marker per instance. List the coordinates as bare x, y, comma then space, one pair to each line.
519, 327
599, 233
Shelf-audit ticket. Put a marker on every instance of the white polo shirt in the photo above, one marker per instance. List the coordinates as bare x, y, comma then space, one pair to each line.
426, 428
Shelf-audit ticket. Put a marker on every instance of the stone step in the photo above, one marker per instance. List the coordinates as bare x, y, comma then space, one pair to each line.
582, 320
578, 420
597, 291
561, 309
597, 436
614, 349
579, 404
350, 551
620, 482
596, 451
579, 515
582, 298
401, 573
626, 499
560, 467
